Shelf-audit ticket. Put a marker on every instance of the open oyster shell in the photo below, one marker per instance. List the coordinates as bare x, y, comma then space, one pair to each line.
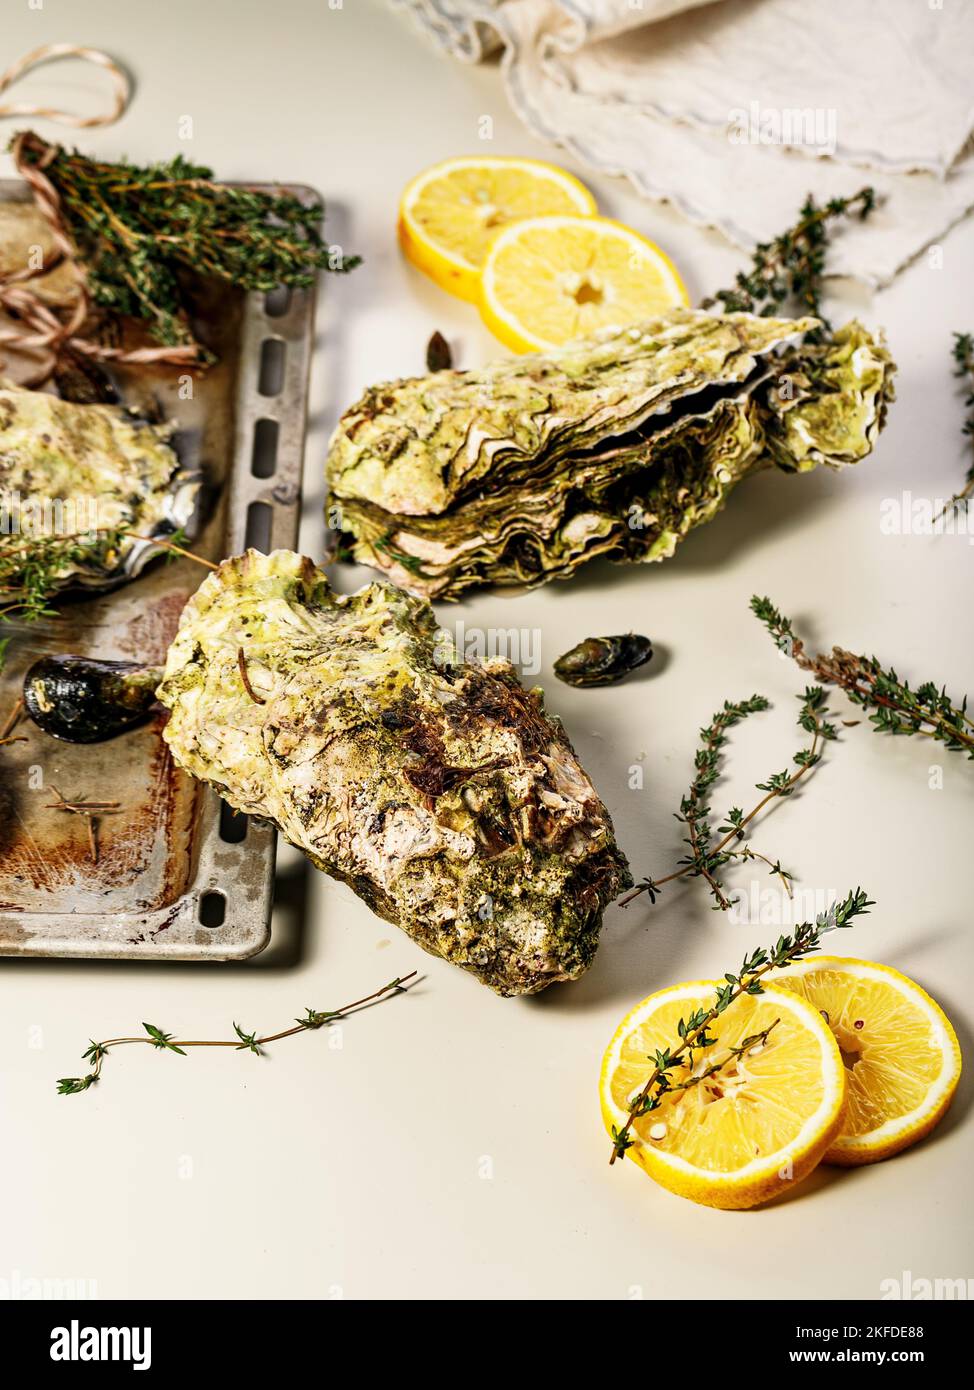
84, 472
617, 444
437, 789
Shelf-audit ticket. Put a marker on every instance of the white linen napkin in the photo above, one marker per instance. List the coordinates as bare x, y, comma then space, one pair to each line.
735, 110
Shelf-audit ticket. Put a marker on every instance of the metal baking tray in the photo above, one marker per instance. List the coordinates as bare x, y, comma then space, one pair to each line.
179, 875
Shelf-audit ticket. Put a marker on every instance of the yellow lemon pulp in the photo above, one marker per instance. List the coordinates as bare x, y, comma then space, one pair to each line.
449, 214
901, 1055
549, 279
755, 1127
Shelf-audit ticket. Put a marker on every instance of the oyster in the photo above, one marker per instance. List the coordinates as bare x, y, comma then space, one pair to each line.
437, 789
76, 481
615, 445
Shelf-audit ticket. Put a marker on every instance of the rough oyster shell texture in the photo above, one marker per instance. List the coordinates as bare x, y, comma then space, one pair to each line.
615, 445
69, 469
438, 790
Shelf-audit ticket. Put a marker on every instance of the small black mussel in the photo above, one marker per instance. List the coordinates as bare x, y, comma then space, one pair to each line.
603, 660
84, 701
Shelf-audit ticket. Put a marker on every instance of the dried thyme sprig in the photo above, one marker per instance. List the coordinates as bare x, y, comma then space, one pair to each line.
138, 230
13, 718
245, 677
155, 1037
692, 1031
91, 811
964, 368
786, 273
706, 858
896, 708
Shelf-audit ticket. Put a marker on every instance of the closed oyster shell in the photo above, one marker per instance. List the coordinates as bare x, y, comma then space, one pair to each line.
618, 444
437, 789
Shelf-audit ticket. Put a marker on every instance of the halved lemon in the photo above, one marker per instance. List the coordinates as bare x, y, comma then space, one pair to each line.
754, 1128
901, 1055
546, 280
449, 213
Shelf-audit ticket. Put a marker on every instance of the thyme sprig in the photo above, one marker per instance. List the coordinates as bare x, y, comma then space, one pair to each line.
964, 368
138, 230
786, 273
692, 1031
895, 707
243, 1042
707, 858
32, 567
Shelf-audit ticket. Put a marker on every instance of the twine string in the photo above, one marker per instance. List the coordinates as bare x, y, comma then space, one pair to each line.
50, 52
38, 326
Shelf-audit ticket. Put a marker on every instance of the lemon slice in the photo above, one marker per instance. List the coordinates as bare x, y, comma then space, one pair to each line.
547, 280
449, 213
757, 1126
901, 1055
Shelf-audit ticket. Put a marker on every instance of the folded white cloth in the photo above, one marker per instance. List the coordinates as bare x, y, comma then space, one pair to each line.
735, 110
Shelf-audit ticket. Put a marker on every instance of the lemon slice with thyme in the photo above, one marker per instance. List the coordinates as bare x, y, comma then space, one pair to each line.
901, 1054
752, 1129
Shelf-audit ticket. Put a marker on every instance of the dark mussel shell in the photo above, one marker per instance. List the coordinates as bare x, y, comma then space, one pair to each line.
84, 701
603, 660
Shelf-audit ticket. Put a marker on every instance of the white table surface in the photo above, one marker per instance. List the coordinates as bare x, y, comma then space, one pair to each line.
452, 1145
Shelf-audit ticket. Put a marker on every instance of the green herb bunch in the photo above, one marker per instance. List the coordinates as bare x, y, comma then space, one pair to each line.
138, 230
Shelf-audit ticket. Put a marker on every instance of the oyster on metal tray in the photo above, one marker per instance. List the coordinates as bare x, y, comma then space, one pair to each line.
86, 489
437, 789
616, 445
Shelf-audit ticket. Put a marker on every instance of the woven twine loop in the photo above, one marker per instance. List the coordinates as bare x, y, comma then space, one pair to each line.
39, 326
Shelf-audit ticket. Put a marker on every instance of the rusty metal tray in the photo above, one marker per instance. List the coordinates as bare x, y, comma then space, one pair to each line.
178, 875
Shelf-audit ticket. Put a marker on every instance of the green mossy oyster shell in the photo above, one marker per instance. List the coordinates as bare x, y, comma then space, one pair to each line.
616, 445
437, 789
67, 468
